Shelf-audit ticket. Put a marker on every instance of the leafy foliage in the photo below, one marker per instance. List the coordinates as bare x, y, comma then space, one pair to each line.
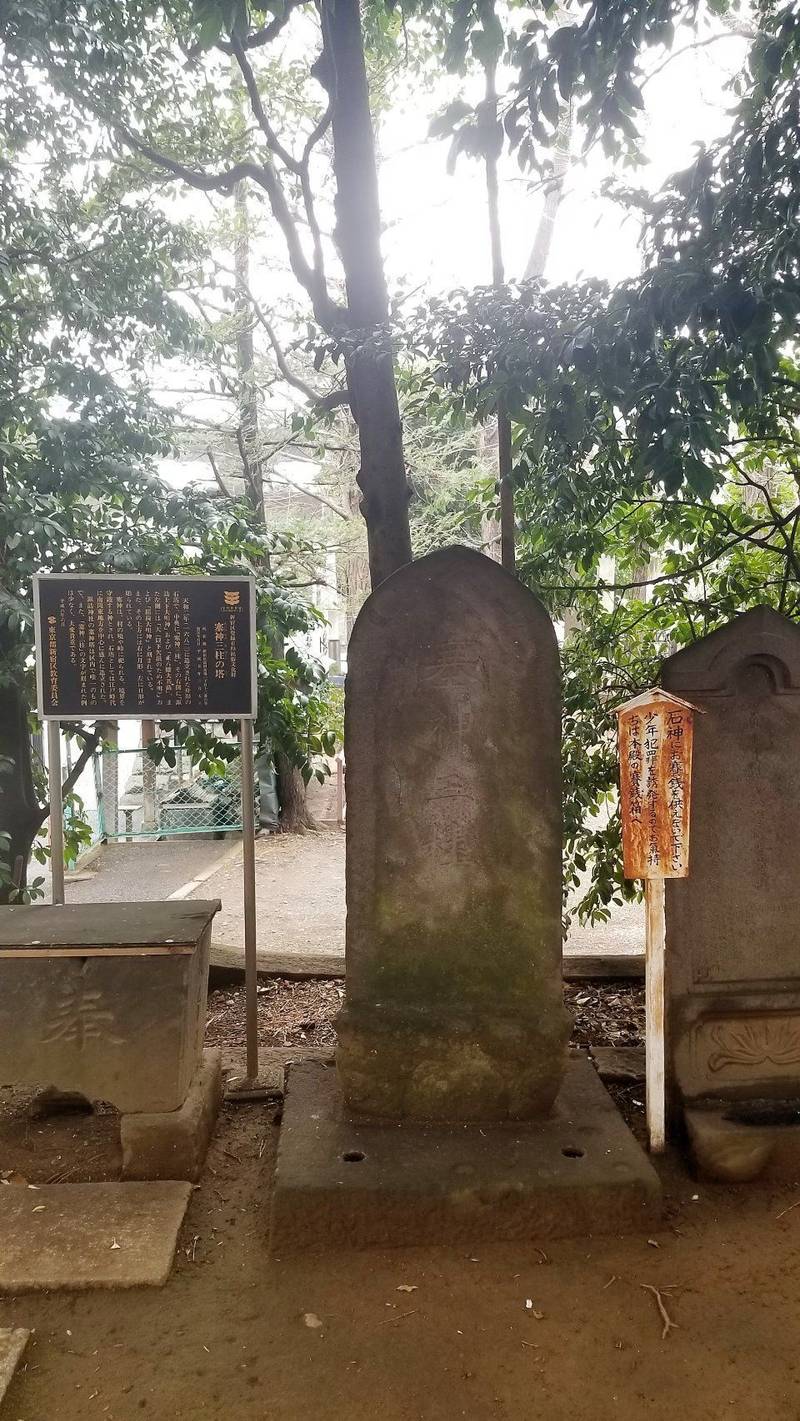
655, 424
85, 276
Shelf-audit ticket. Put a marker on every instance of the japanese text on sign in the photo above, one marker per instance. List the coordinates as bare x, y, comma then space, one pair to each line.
158, 647
655, 748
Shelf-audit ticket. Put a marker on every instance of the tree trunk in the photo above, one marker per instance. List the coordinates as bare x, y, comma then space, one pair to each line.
295, 816
562, 160
20, 811
370, 367
505, 469
249, 437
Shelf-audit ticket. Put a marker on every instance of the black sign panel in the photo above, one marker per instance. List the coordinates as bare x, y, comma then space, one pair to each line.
161, 648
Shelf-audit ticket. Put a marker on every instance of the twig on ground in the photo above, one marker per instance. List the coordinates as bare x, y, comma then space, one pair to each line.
399, 1317
665, 1317
795, 1205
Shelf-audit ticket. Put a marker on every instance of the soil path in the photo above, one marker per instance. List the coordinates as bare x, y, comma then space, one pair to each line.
227, 1339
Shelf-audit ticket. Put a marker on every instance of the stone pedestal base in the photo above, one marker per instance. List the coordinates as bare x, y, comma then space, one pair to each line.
451, 1066
173, 1144
737, 1141
343, 1182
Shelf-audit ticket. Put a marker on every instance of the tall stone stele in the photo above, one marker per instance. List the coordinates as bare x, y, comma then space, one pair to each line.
454, 1004
733, 926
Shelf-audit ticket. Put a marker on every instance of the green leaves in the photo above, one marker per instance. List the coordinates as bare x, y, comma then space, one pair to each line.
214, 18
488, 41
444, 123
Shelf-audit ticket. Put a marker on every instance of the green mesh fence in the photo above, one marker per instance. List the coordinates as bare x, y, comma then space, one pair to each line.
141, 800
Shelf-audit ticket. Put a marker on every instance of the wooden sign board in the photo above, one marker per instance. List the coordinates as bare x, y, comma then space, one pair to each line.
655, 762
145, 648
655, 777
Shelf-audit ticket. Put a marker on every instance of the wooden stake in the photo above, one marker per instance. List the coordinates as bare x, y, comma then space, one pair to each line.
655, 941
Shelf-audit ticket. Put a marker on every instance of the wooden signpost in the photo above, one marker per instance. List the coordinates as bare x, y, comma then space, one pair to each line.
655, 759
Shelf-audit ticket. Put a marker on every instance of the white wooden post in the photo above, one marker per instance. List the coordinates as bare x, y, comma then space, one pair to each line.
656, 732
655, 944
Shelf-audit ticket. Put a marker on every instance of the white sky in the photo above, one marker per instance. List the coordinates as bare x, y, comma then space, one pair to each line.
435, 229
436, 224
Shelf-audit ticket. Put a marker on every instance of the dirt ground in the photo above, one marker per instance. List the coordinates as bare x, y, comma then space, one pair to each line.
229, 1337
302, 1013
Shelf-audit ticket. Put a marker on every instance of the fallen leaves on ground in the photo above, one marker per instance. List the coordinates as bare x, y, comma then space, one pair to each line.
303, 1013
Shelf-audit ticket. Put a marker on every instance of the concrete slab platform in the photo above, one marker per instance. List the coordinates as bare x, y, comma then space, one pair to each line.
341, 1182
77, 1236
173, 1144
13, 1341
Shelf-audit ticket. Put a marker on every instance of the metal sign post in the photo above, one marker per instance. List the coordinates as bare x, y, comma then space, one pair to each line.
249, 878
56, 811
133, 647
655, 755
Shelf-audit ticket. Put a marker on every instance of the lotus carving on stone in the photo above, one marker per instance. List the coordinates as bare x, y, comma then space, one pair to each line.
755, 1043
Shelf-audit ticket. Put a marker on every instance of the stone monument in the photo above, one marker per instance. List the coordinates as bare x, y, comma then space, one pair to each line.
455, 1114
454, 998
733, 926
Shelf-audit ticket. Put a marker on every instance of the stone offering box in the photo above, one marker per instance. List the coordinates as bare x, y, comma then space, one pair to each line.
107, 1001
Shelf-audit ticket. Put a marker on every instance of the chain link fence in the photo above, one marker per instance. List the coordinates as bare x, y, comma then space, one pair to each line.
137, 799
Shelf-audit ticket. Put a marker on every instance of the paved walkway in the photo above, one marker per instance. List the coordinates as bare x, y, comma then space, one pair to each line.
142, 871
300, 907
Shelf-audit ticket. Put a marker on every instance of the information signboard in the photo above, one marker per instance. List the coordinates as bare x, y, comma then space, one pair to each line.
655, 773
147, 648
655, 782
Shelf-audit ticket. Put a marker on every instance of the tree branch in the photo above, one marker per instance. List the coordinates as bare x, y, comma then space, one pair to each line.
217, 475
269, 32
312, 493
735, 32
311, 278
259, 112
683, 572
91, 741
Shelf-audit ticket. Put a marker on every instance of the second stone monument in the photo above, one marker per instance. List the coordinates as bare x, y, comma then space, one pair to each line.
454, 1003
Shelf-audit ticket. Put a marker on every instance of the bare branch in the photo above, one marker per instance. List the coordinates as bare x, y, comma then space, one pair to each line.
259, 111
300, 167
311, 278
317, 132
734, 32
91, 741
217, 475
269, 32
322, 403
312, 493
